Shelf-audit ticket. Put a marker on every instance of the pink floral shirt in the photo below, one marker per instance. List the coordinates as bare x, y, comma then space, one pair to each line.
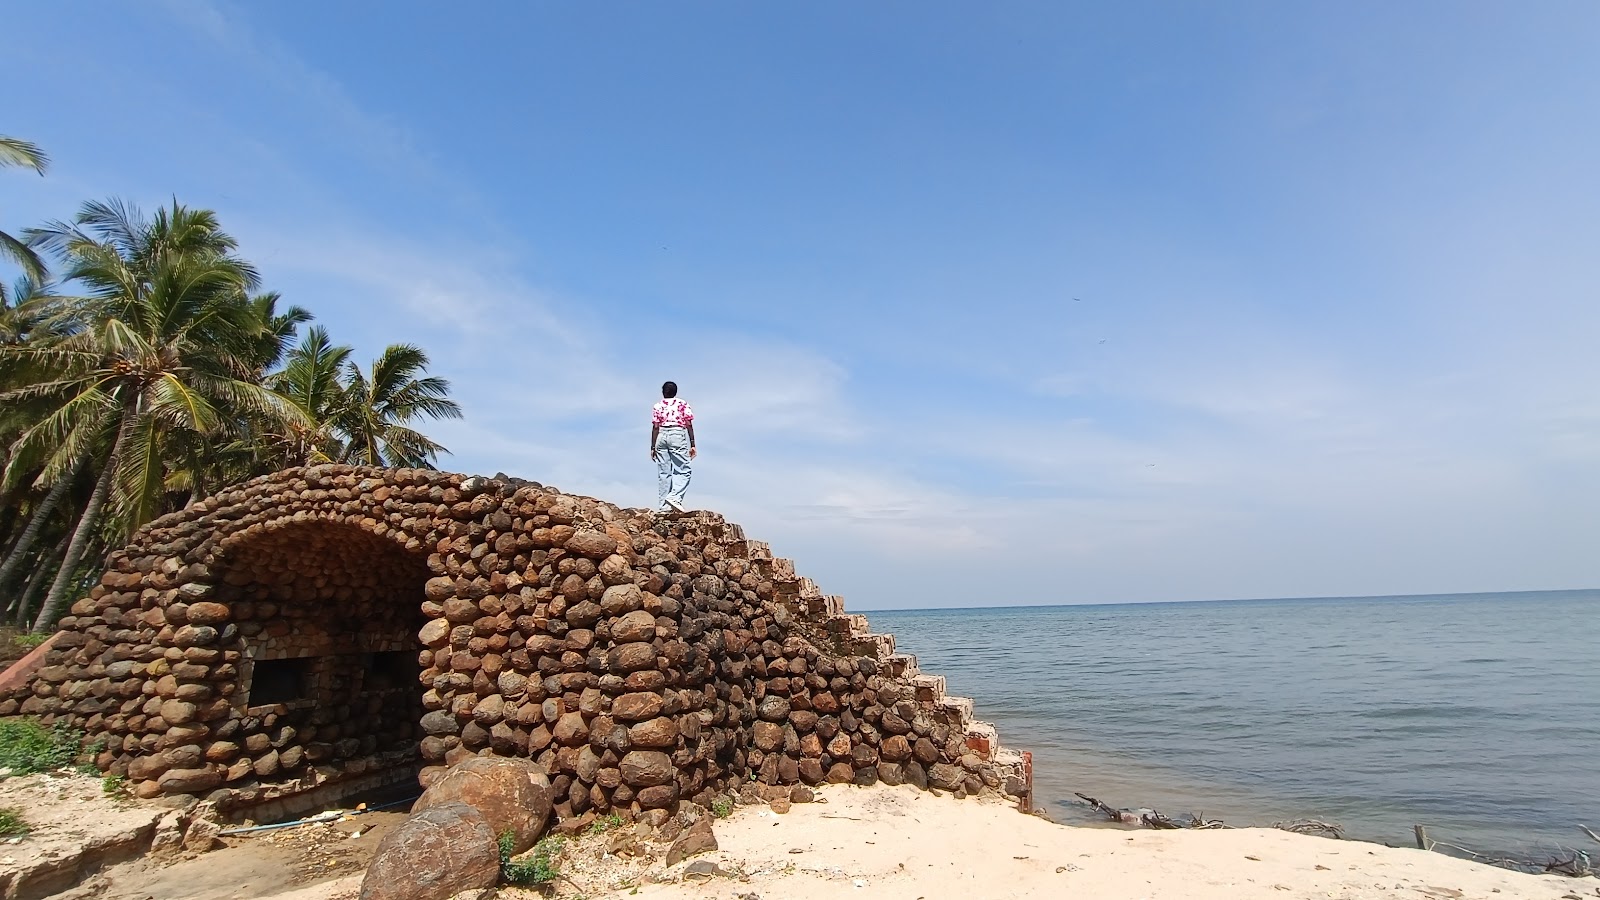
672, 413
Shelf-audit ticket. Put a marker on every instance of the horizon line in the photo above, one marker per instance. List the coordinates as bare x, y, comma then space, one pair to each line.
1425, 596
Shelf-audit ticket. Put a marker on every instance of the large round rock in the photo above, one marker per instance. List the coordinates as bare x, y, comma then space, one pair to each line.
434, 855
512, 795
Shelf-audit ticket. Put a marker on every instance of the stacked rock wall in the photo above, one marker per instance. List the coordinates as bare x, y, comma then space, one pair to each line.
331, 625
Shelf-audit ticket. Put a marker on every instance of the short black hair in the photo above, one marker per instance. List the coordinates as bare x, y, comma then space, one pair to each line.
669, 390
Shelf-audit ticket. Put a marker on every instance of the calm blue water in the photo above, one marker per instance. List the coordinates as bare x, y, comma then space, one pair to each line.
1476, 715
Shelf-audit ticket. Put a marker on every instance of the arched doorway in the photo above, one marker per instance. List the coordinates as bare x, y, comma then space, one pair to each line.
326, 616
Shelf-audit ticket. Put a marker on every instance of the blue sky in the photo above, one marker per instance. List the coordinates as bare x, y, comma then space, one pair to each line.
977, 304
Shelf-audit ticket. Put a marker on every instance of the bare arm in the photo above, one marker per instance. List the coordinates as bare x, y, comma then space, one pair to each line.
654, 430
692, 451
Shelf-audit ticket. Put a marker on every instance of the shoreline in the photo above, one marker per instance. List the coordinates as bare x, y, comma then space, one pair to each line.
901, 843
1374, 715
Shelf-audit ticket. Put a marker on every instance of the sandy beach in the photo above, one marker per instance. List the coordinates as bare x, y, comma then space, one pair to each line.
903, 844
890, 843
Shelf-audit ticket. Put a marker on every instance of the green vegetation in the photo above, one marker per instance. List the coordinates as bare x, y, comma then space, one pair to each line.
721, 807
539, 868
26, 747
142, 366
11, 823
605, 824
29, 640
113, 785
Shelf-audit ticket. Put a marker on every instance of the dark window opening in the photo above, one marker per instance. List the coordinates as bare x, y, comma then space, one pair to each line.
280, 681
391, 670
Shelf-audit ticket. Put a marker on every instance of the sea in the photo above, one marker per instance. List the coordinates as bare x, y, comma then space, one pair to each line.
1474, 715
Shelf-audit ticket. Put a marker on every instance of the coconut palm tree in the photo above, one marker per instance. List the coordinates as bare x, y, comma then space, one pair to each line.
385, 402
313, 379
163, 346
15, 152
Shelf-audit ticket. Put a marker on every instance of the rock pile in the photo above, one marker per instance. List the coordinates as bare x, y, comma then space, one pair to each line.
327, 623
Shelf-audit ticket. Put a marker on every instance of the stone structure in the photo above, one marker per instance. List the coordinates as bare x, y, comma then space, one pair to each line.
327, 629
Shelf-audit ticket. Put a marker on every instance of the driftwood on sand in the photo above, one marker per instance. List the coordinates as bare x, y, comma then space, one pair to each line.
1149, 818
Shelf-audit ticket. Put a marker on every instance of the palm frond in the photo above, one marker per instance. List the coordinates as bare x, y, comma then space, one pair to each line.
23, 255
18, 152
179, 406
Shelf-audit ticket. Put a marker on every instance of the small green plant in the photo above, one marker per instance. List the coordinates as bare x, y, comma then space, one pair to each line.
721, 807
30, 641
11, 824
26, 747
540, 868
113, 785
605, 824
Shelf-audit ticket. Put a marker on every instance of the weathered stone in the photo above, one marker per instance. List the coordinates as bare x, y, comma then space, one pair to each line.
435, 634
631, 657
635, 626
440, 722
658, 732
773, 709
513, 795
621, 599
190, 781
945, 775
893, 724
643, 768
697, 838
570, 730
637, 707
434, 855
208, 613
584, 614
658, 796
768, 736
593, 544
895, 749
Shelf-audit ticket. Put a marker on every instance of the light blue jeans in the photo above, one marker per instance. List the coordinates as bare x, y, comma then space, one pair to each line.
672, 465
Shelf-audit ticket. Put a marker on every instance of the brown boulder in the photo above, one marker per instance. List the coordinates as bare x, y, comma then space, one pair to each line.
658, 732
637, 706
512, 795
658, 796
811, 771
583, 614
944, 775
698, 838
593, 544
768, 736
631, 657
645, 768
571, 730
621, 599
190, 781
773, 709
434, 855
208, 613
635, 626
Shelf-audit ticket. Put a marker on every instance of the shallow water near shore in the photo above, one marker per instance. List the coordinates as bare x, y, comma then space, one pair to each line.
1477, 715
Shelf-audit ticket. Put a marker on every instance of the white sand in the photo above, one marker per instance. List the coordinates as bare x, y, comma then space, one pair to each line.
893, 843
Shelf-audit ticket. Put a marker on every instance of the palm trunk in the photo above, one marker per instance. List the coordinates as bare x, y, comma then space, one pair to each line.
36, 524
9, 529
41, 577
55, 604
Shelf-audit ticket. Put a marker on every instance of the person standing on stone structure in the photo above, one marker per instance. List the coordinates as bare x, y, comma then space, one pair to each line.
671, 446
